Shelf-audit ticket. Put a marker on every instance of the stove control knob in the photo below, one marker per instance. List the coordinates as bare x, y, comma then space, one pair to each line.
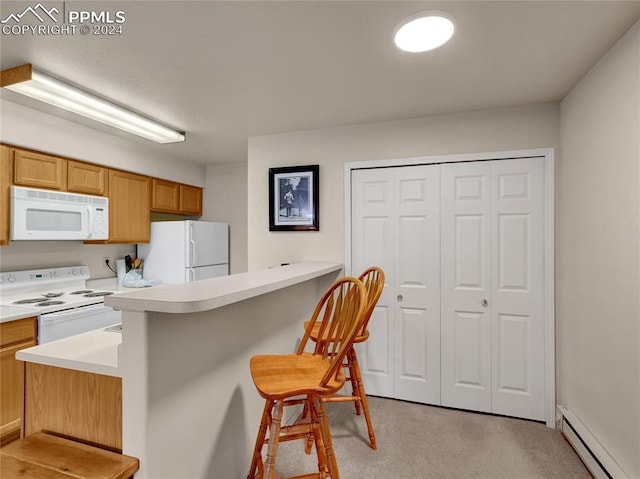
54, 274
81, 270
11, 278
74, 271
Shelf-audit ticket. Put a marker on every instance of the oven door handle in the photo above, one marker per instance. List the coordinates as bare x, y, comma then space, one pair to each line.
72, 312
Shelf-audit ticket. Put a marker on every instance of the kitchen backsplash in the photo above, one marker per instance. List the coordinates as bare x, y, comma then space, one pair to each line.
19, 255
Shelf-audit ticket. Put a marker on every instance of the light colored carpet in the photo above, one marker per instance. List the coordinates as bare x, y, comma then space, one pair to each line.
423, 442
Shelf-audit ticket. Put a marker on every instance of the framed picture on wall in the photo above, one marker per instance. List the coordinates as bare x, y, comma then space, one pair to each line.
294, 198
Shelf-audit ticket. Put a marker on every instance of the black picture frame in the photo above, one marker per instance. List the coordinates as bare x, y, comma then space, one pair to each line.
294, 194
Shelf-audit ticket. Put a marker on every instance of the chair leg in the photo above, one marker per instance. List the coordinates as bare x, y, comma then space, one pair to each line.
362, 397
323, 421
256, 461
274, 440
316, 438
353, 378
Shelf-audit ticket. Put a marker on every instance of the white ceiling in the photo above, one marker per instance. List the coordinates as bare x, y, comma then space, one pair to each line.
226, 71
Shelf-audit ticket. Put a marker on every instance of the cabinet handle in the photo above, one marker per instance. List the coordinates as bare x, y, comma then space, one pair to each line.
484, 303
399, 298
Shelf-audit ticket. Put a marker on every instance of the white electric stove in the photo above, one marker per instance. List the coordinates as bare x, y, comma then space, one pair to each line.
61, 300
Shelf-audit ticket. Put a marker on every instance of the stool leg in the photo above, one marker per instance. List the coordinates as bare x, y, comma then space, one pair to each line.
316, 438
274, 439
362, 395
353, 378
323, 421
262, 431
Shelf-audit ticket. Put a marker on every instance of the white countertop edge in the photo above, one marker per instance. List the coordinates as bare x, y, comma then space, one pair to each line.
215, 293
69, 364
10, 313
92, 352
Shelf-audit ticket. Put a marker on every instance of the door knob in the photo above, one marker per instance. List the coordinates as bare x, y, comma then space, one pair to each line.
399, 297
484, 303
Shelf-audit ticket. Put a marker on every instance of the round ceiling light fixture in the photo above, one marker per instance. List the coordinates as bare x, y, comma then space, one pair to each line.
423, 31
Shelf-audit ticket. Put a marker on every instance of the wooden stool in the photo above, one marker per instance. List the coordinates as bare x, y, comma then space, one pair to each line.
44, 456
307, 377
373, 280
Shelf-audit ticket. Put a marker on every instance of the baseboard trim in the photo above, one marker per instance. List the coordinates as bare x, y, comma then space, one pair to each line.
595, 457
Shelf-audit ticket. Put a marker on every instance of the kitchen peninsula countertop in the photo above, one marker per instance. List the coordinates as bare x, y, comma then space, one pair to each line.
97, 351
92, 352
215, 293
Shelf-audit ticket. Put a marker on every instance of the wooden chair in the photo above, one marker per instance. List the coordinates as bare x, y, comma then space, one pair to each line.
307, 377
373, 280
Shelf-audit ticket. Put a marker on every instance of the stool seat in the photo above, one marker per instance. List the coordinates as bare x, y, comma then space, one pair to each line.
45, 456
282, 376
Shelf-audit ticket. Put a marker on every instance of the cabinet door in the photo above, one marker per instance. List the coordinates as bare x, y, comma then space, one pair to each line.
15, 335
39, 171
5, 193
190, 200
129, 207
165, 196
86, 178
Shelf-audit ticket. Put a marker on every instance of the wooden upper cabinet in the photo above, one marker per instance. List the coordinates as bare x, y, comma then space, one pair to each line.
165, 196
39, 170
6, 170
129, 207
190, 200
172, 197
86, 178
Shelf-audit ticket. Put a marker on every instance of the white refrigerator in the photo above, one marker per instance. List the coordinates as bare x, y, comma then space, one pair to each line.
185, 251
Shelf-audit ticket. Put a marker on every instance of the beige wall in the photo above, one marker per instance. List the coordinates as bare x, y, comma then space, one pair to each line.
225, 195
598, 252
29, 128
472, 132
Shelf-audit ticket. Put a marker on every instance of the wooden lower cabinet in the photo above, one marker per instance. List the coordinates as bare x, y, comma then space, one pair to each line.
82, 406
14, 336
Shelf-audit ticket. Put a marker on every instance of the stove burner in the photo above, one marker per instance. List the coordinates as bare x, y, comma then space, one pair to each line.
50, 303
52, 295
28, 301
97, 294
82, 291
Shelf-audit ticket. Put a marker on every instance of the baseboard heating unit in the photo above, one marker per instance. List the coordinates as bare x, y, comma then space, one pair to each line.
600, 464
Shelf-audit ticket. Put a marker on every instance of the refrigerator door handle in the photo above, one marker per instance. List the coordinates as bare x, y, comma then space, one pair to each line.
192, 274
192, 248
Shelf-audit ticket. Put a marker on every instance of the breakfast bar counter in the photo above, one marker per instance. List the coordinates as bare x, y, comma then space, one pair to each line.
189, 407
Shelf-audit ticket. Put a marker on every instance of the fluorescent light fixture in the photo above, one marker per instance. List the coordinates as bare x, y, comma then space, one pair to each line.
423, 31
29, 82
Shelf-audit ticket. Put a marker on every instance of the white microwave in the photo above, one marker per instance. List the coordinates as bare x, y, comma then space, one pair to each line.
55, 215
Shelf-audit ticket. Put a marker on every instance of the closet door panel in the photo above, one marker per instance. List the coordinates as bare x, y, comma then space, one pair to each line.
416, 283
372, 245
518, 288
466, 286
